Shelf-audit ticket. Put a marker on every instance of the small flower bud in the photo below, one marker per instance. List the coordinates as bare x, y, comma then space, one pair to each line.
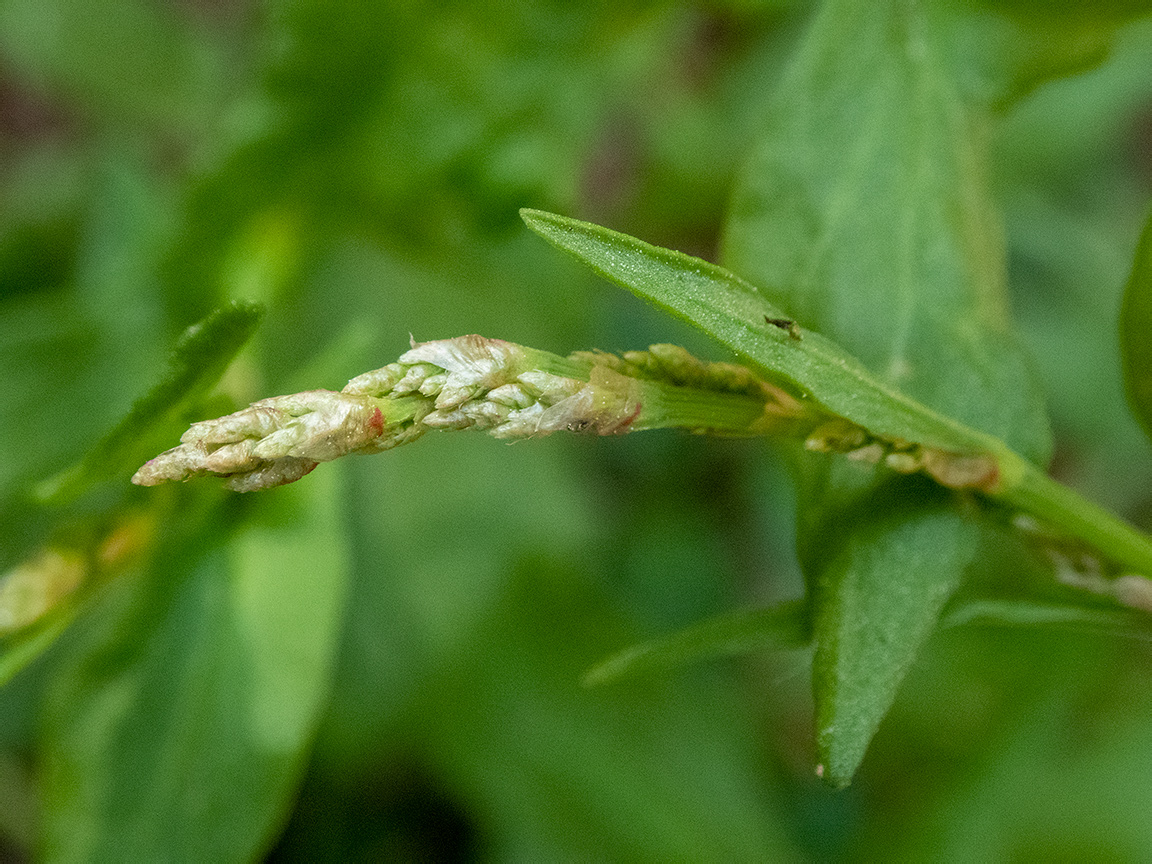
278, 473
433, 384
271, 442
378, 382
903, 462
415, 377
512, 395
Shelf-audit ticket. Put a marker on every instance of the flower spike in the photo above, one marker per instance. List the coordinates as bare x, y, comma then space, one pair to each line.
471, 382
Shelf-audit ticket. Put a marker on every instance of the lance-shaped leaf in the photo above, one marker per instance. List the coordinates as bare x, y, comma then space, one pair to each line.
877, 599
741, 317
866, 206
198, 361
820, 373
1136, 332
856, 694
1128, 623
785, 625
61, 590
864, 210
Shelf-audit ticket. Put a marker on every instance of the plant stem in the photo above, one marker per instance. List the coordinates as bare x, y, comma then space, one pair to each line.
1059, 507
713, 412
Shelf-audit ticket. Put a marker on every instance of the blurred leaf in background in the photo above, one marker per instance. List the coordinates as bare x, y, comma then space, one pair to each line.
384, 661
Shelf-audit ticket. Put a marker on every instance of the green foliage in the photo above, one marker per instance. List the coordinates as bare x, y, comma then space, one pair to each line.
901, 555
384, 660
865, 206
199, 359
785, 625
881, 571
738, 315
206, 676
865, 212
1135, 325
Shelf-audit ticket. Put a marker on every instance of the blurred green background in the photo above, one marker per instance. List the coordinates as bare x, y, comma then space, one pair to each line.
383, 661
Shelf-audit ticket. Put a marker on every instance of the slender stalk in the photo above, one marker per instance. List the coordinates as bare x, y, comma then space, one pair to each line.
713, 412
667, 406
1069, 513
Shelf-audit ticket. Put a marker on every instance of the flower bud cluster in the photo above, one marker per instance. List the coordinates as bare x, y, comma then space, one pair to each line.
955, 470
499, 387
468, 382
514, 392
673, 364
271, 442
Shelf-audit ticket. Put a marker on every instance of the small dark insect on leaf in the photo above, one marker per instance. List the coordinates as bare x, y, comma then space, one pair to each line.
786, 324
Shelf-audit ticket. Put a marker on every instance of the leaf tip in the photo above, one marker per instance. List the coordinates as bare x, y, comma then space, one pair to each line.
540, 220
838, 757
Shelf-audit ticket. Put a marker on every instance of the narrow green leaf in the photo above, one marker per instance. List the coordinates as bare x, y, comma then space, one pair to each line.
180, 729
738, 315
1129, 623
198, 361
1136, 332
877, 600
783, 626
732, 311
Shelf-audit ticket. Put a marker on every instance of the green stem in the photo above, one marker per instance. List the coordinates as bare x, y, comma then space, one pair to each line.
666, 406
1059, 507
685, 407
670, 406
1024, 487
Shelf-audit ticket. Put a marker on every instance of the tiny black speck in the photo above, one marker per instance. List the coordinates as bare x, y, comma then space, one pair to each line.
785, 324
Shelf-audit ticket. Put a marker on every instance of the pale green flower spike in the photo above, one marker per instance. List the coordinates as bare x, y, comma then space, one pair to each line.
471, 382
514, 392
